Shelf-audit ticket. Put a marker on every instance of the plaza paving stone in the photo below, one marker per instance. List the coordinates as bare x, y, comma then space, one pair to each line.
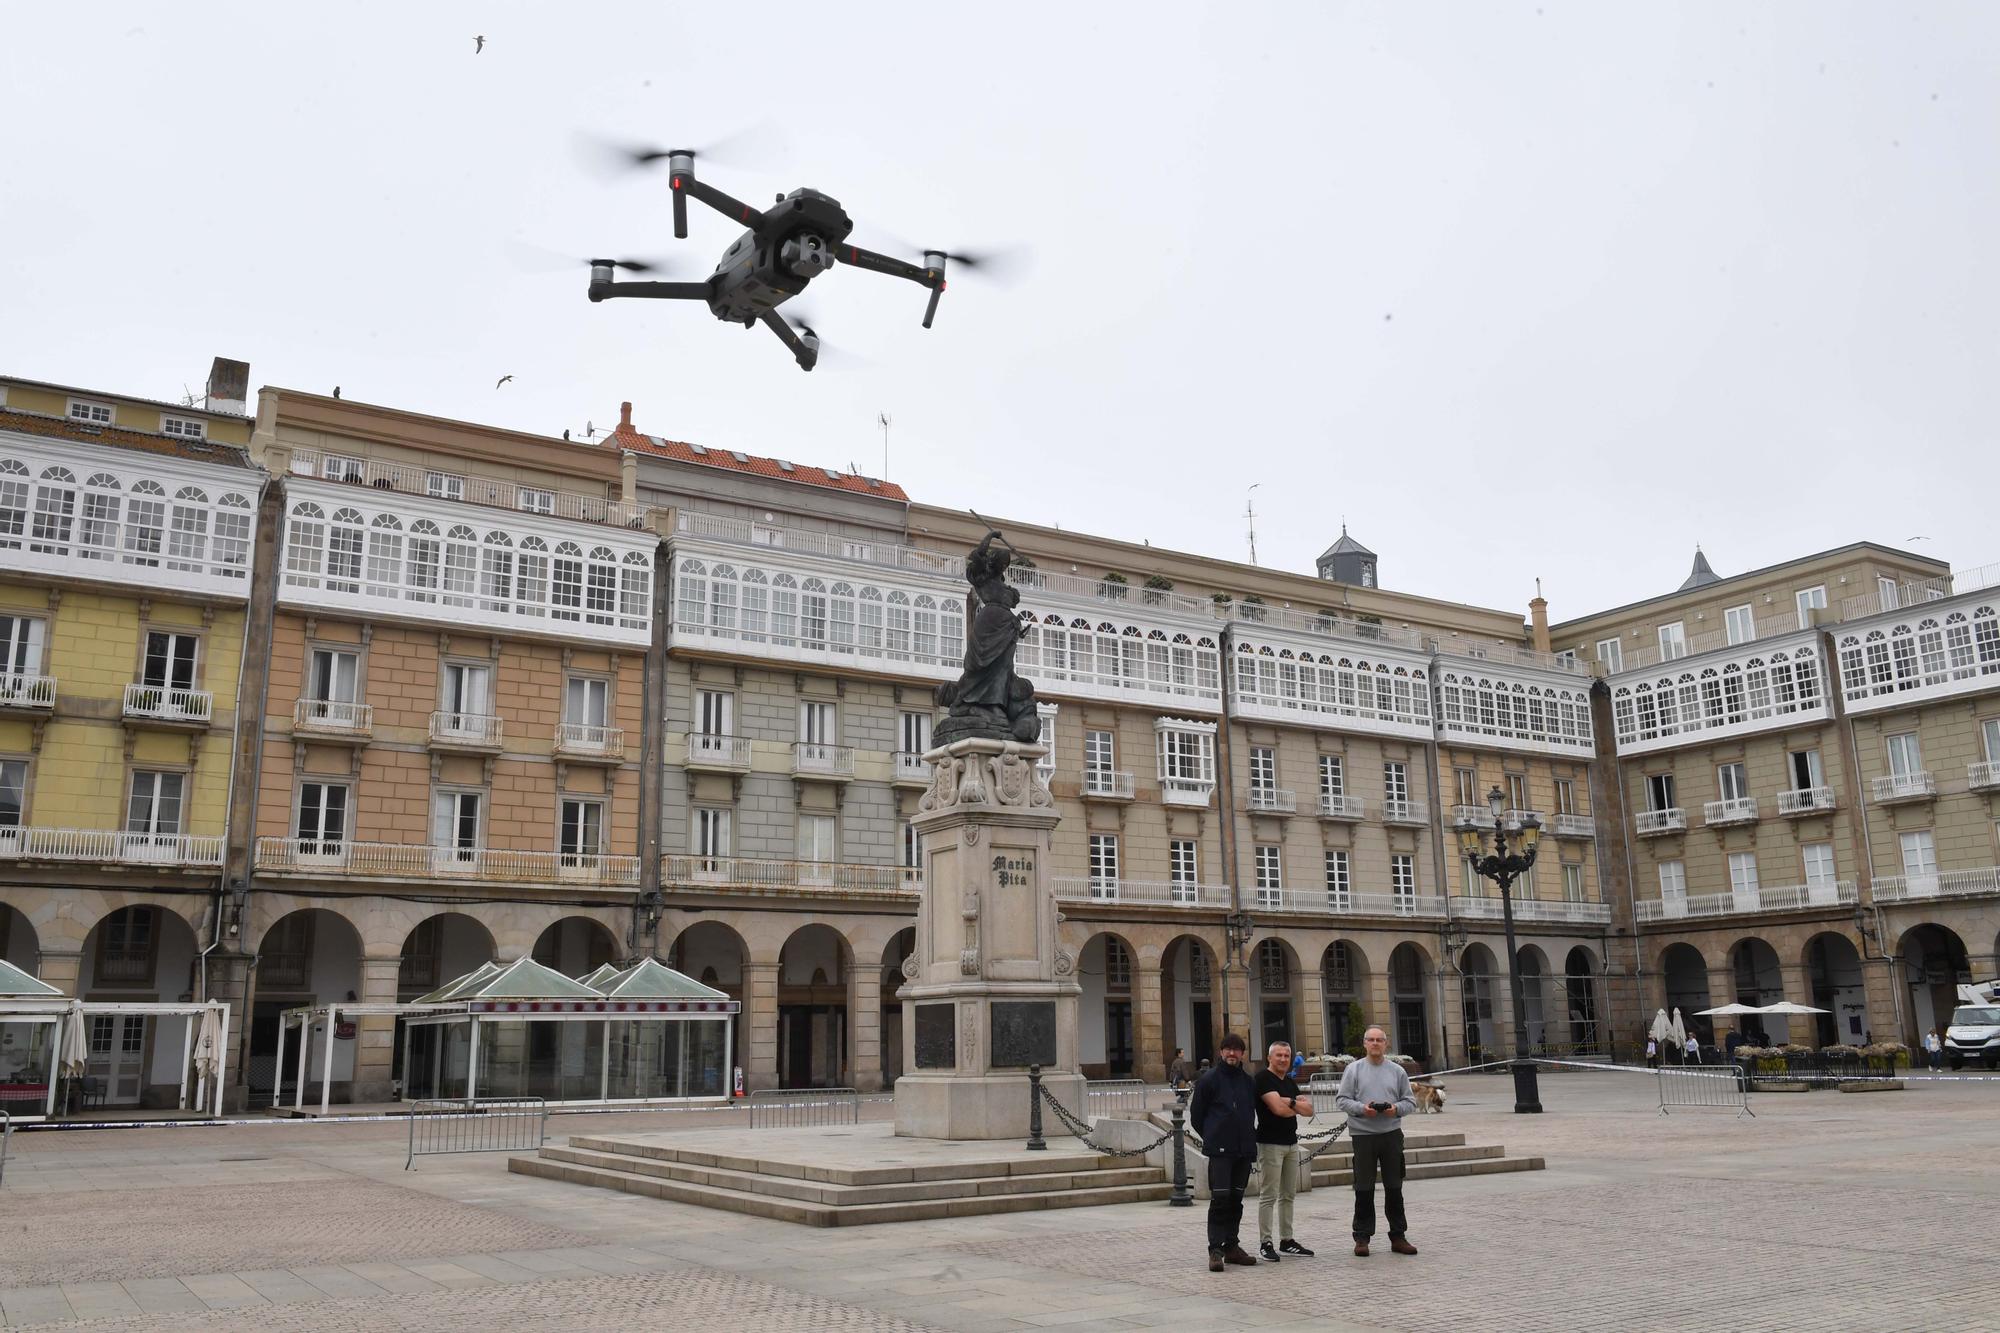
1826, 1211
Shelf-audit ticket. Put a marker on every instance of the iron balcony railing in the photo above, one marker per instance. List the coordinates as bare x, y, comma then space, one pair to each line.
867, 550
415, 480
1273, 801
1147, 893
1341, 807
1763, 898
1947, 884
1534, 909
110, 846
1105, 784
331, 717
726, 752
1650, 823
37, 693
814, 759
1186, 791
1405, 812
586, 741
163, 703
1892, 787
388, 860
1575, 826
1320, 900
124, 965
1982, 776
911, 769
744, 874
1471, 816
1734, 810
475, 730
1805, 801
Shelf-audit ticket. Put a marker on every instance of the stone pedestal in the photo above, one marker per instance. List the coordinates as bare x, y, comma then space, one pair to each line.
987, 990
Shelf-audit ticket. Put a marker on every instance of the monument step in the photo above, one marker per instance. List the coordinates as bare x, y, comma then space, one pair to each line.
810, 1213
1055, 1161
1338, 1159
848, 1196
1482, 1166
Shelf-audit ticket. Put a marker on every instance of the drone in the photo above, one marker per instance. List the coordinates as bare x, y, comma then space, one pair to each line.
795, 240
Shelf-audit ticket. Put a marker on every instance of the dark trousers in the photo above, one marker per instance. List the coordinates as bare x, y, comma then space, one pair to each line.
1383, 1152
1228, 1177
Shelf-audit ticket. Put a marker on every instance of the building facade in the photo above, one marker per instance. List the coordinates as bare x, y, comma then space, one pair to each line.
508, 696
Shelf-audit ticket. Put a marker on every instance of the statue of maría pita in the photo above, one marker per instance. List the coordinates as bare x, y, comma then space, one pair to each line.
989, 701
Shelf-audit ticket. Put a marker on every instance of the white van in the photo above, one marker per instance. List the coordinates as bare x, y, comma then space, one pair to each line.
1974, 1034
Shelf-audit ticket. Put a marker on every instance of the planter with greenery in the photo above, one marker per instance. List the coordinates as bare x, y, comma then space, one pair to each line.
1114, 586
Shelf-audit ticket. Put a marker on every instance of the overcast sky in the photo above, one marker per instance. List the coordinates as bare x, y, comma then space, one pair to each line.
1552, 288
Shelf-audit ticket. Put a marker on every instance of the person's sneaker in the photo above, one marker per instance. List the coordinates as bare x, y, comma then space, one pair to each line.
1290, 1246
1401, 1246
1215, 1261
1268, 1252
1235, 1255
1361, 1248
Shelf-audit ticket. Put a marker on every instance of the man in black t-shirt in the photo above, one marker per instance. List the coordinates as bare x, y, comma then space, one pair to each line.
1279, 1107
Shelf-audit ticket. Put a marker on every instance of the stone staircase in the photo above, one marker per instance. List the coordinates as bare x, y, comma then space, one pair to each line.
862, 1175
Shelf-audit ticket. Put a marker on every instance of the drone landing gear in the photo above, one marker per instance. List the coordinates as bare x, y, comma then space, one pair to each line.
803, 342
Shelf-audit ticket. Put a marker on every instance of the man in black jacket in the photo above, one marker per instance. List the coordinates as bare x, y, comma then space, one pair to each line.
1223, 1111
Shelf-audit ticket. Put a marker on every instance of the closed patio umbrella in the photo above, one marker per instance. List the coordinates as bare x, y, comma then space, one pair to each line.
208, 1043
1661, 1029
75, 1057
1677, 1029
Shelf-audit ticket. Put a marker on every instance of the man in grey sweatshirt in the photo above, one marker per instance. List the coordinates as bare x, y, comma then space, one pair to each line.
1375, 1093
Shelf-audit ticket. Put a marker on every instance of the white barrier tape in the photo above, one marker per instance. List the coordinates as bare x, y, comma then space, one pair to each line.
391, 1119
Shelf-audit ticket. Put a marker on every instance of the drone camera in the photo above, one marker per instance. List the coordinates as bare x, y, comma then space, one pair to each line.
807, 256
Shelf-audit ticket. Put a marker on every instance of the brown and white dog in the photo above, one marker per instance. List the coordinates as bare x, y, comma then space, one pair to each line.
1430, 1098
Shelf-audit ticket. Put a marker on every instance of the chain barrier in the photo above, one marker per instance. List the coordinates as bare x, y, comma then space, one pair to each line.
1082, 1130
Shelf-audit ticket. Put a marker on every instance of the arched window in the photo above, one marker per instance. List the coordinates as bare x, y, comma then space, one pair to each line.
756, 604
812, 615
722, 599
924, 623
385, 556
13, 503
899, 626
600, 593
103, 501
343, 552
635, 590
55, 512
871, 621
840, 620
566, 584
146, 524
187, 540
305, 544
231, 550
496, 572
692, 580
531, 577
461, 565
426, 560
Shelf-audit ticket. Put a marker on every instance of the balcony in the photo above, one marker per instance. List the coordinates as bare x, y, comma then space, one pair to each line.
110, 847
1735, 810
749, 875
583, 743
1652, 823
1194, 792
415, 480
164, 706
1139, 893
1471, 816
1534, 909
1327, 902
1575, 826
1103, 784
1805, 801
910, 770
1405, 812
1979, 777
718, 754
385, 860
124, 966
27, 694
1272, 801
330, 719
1342, 807
1896, 788
1950, 884
1771, 898
466, 731
1516, 820
814, 759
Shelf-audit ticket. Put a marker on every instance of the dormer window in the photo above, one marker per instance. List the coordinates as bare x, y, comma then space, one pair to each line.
97, 414
186, 428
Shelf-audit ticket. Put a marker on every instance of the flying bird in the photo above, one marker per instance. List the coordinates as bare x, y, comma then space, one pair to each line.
478, 45
502, 380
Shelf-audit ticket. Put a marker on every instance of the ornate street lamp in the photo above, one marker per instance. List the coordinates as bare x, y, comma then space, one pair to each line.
1503, 868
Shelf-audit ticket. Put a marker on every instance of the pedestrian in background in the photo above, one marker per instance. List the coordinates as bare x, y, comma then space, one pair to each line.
1935, 1045
1279, 1107
1375, 1093
1223, 1111
1693, 1049
1652, 1052
1177, 1072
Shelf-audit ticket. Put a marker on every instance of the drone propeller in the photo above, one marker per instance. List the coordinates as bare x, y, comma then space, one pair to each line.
828, 357
730, 149
1000, 264
540, 259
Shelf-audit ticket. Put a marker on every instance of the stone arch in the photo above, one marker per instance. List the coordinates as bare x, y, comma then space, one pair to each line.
1344, 987
1107, 967
139, 953
307, 957
575, 945
1190, 999
1532, 965
1835, 983
1756, 978
1933, 965
19, 942
1275, 994
897, 949
1684, 975
715, 954
438, 949
1409, 1025
62, 920
815, 1016
1580, 977
1480, 988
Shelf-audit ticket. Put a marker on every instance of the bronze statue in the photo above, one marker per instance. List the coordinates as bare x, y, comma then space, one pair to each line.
989, 700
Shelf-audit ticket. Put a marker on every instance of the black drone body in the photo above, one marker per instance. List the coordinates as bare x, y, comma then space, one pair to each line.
801, 236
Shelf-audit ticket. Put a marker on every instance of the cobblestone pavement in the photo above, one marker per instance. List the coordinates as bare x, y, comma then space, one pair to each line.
1826, 1210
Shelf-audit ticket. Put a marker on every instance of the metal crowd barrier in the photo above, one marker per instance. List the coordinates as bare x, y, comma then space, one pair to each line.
1123, 1097
803, 1108
489, 1124
1705, 1085
6, 1137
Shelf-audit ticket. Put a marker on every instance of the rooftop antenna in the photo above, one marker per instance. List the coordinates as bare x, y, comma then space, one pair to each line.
882, 420
1250, 517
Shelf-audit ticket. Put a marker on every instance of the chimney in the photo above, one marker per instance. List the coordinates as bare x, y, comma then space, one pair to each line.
1538, 619
228, 386
625, 416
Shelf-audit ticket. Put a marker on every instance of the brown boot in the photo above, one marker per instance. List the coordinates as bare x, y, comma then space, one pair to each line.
1401, 1246
1361, 1248
1235, 1255
1215, 1261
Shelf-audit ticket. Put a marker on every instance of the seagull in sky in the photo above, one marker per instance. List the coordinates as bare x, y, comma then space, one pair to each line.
478, 44
502, 380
